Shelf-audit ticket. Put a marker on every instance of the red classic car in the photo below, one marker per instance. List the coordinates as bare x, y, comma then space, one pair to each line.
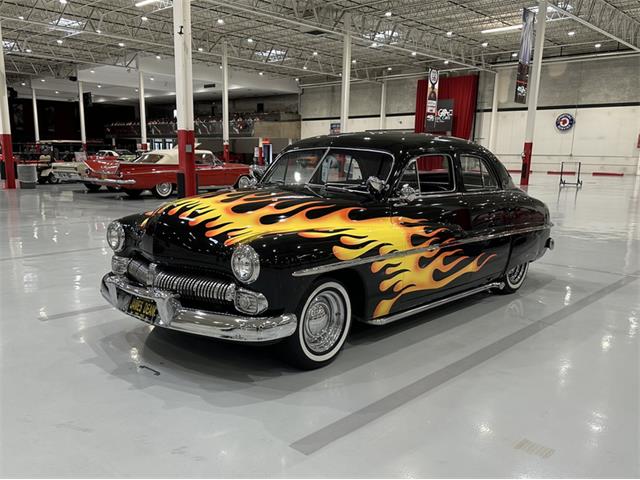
157, 171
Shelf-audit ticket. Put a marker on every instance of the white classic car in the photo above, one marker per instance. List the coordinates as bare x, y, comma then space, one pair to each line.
75, 171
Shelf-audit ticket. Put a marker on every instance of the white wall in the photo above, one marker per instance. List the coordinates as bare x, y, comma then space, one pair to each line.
603, 96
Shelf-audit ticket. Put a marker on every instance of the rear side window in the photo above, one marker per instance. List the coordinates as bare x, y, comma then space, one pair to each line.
204, 158
476, 175
435, 173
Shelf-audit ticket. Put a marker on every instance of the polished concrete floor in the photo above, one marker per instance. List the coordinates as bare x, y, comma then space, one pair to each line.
542, 383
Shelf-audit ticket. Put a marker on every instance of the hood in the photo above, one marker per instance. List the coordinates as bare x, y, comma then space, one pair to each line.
210, 224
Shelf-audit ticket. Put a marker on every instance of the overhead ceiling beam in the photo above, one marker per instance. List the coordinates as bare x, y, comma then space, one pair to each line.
618, 21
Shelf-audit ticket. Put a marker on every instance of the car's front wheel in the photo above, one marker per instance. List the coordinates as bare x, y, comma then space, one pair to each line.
243, 182
324, 320
515, 277
163, 190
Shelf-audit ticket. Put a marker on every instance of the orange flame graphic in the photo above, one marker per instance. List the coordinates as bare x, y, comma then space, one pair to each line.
288, 212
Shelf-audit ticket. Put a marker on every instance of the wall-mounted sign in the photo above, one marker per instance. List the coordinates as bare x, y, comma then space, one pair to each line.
442, 120
565, 121
432, 92
334, 128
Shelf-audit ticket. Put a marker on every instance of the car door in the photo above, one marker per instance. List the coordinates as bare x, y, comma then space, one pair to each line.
210, 173
488, 209
436, 219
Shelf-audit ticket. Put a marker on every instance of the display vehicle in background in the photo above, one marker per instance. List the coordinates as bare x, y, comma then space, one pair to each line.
372, 226
157, 171
75, 171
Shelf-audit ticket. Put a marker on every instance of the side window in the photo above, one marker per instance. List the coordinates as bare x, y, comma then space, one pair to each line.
435, 173
204, 158
476, 175
410, 177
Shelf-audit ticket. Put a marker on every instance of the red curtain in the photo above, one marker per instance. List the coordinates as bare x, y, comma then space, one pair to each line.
463, 91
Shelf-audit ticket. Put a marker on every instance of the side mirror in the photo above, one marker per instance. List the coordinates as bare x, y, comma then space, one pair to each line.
407, 193
376, 186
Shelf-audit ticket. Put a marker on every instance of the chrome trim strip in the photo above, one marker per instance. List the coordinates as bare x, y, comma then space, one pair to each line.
437, 303
171, 314
363, 261
109, 181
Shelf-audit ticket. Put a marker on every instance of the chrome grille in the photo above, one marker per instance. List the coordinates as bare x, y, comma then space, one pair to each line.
196, 287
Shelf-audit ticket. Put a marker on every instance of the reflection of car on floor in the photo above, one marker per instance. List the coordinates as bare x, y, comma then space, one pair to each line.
372, 227
157, 171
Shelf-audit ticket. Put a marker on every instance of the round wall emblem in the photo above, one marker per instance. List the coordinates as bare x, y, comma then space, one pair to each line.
565, 121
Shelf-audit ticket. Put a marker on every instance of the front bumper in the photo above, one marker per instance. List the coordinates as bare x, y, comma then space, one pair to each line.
67, 176
118, 291
110, 182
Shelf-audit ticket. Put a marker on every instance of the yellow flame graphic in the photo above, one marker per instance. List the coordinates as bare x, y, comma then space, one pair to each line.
289, 212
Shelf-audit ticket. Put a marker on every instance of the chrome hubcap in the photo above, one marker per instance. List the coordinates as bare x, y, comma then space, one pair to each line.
164, 189
324, 321
516, 274
243, 182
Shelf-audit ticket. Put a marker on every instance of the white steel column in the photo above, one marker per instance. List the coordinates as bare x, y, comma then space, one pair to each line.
5, 126
225, 103
184, 93
383, 105
493, 125
346, 74
83, 133
143, 110
36, 126
532, 95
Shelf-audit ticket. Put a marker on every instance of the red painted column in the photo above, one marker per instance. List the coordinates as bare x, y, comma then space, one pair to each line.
225, 152
526, 164
186, 160
184, 93
7, 157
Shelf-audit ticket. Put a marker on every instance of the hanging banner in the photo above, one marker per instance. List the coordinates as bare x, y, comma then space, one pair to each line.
432, 92
524, 56
442, 120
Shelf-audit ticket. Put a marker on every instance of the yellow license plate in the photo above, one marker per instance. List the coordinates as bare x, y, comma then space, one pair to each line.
144, 309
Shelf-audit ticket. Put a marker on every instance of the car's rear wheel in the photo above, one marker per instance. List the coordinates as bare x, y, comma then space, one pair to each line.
324, 320
92, 187
243, 182
163, 190
133, 193
52, 178
514, 278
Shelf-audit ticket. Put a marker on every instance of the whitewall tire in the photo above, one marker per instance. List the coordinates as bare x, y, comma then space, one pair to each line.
163, 190
324, 321
243, 182
515, 277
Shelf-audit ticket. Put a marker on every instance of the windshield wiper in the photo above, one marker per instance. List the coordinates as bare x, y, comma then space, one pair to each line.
332, 187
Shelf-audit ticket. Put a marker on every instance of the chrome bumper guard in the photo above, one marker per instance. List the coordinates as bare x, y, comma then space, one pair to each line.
110, 181
118, 291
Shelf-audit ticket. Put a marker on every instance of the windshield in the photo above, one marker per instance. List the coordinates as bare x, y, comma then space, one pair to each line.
123, 152
336, 167
149, 158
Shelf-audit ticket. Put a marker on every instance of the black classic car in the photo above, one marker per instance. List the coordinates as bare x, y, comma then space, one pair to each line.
368, 226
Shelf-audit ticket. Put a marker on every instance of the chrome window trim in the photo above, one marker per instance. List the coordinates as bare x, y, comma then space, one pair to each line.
363, 261
484, 164
328, 148
454, 191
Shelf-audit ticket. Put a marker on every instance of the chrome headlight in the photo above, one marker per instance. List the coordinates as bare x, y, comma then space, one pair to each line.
116, 236
245, 264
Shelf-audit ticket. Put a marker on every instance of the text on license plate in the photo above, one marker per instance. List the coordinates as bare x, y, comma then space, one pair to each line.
144, 309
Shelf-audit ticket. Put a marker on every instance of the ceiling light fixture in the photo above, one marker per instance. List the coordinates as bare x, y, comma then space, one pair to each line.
98, 31
158, 57
297, 79
506, 28
23, 84
144, 19
63, 2
354, 61
598, 45
92, 71
99, 86
151, 78
249, 40
304, 67
143, 3
449, 34
446, 62
260, 73
387, 14
315, 54
28, 50
200, 49
120, 44
220, 21
42, 80
59, 42
514, 54
413, 54
57, 92
389, 68
485, 44
571, 33
21, 17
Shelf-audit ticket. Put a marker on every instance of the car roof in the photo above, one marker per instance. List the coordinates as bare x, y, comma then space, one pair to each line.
402, 144
172, 151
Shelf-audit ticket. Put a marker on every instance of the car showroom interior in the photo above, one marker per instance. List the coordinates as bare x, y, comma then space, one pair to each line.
320, 238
